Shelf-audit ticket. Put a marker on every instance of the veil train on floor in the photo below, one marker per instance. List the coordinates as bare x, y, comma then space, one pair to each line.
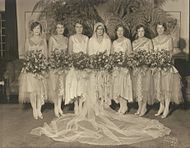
98, 125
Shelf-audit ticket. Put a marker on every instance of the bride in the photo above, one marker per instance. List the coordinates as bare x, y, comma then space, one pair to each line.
99, 80
106, 127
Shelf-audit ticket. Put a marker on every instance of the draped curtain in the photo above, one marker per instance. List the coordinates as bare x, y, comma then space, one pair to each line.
11, 29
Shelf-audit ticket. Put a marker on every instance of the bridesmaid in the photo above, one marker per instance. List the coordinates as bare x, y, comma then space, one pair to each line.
56, 81
168, 86
99, 81
76, 80
142, 82
30, 86
122, 84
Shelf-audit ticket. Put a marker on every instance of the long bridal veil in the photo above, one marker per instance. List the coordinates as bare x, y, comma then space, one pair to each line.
99, 125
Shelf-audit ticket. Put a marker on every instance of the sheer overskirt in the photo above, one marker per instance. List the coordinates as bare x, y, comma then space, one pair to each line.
122, 84
32, 85
56, 86
167, 85
76, 84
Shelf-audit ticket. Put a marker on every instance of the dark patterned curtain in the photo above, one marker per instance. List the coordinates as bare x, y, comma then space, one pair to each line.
11, 29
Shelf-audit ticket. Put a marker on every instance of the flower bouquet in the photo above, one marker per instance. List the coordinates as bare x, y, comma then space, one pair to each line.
80, 61
164, 59
160, 60
100, 62
35, 62
137, 61
117, 59
60, 61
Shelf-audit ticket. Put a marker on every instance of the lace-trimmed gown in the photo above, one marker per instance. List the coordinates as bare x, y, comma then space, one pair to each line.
56, 80
167, 83
121, 78
99, 81
76, 83
142, 81
28, 82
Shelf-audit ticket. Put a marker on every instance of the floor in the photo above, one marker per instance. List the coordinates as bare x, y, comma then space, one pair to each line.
16, 122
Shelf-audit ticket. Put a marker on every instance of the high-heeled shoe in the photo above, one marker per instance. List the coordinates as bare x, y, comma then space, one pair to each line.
143, 112
60, 111
119, 111
35, 114
138, 112
165, 114
160, 111
124, 109
40, 115
139, 108
56, 112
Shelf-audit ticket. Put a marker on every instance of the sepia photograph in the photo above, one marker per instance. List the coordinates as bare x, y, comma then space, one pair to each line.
94, 74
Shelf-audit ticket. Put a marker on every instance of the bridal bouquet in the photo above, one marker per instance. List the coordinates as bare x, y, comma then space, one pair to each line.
141, 56
161, 60
164, 59
55, 59
136, 59
66, 62
60, 60
80, 61
117, 59
148, 58
35, 62
130, 62
100, 61
154, 60
93, 62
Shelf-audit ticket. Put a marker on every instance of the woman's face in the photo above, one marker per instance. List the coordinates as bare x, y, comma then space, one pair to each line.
78, 28
60, 29
37, 30
120, 32
160, 29
100, 31
140, 32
